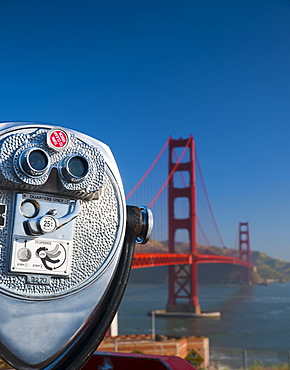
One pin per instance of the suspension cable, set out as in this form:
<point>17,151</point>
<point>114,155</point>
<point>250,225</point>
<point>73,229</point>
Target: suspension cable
<point>208,201</point>
<point>170,175</point>
<point>197,219</point>
<point>149,170</point>
<point>203,232</point>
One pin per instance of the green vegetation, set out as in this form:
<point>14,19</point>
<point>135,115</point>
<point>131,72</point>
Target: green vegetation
<point>266,273</point>
<point>138,352</point>
<point>260,366</point>
<point>271,268</point>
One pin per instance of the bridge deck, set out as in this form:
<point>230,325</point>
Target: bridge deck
<point>166,259</point>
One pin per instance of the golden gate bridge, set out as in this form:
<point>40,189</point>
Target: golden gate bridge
<point>178,218</point>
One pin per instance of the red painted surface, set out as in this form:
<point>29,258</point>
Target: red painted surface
<point>58,139</point>
<point>182,279</point>
<point>244,251</point>
<point>182,284</point>
<point>160,259</point>
<point>133,361</point>
<point>204,258</point>
<point>142,260</point>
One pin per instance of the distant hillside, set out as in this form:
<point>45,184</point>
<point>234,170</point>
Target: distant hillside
<point>266,269</point>
<point>271,268</point>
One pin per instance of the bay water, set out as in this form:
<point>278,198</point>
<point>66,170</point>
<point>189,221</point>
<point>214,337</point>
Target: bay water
<point>254,322</point>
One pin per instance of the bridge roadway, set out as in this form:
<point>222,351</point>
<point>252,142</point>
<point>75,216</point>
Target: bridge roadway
<point>142,260</point>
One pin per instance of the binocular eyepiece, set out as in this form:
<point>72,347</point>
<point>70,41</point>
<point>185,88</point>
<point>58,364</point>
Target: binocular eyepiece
<point>35,162</point>
<point>52,160</point>
<point>66,244</point>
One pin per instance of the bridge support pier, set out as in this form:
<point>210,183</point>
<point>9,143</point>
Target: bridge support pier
<point>185,277</point>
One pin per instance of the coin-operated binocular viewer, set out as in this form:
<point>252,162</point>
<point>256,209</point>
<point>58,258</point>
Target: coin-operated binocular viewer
<point>66,244</point>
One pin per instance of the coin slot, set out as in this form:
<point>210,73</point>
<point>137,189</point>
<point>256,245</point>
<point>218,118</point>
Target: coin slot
<point>29,208</point>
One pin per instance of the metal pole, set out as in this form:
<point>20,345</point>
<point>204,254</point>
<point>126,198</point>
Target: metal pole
<point>288,359</point>
<point>153,325</point>
<point>245,359</point>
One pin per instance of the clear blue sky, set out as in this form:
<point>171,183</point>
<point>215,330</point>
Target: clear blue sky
<point>131,73</point>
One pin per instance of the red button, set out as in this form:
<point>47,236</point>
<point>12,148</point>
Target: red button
<point>58,139</point>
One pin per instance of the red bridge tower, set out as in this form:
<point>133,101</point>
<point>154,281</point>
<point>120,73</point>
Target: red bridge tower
<point>245,252</point>
<point>182,295</point>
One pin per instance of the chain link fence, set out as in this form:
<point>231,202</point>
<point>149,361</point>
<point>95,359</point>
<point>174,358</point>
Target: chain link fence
<point>237,359</point>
